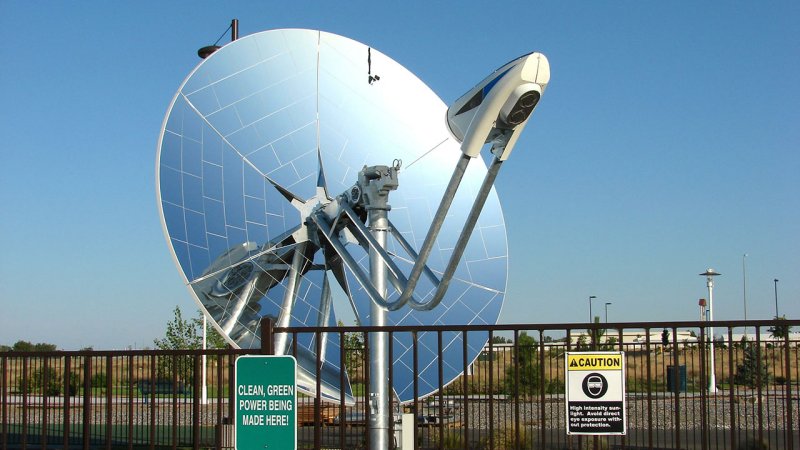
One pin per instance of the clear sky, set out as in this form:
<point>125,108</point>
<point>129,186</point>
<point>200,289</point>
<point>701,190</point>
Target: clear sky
<point>667,142</point>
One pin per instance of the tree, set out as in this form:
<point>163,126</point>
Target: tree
<point>528,367</point>
<point>596,334</point>
<point>780,330</point>
<point>751,368</point>
<point>213,338</point>
<point>44,347</point>
<point>25,346</point>
<point>500,340</point>
<point>611,343</point>
<point>581,344</point>
<point>22,346</point>
<point>353,353</point>
<point>182,334</point>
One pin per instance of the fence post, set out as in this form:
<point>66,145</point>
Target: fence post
<point>196,390</point>
<point>68,388</point>
<point>267,336</point>
<point>87,401</point>
<point>703,389</point>
<point>732,413</point>
<point>4,401</point>
<point>109,401</point>
<point>676,377</point>
<point>788,386</point>
<point>25,394</point>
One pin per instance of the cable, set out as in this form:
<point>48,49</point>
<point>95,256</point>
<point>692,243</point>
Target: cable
<point>224,33</point>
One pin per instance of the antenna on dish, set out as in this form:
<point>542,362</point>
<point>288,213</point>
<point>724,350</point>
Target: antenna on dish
<point>206,51</point>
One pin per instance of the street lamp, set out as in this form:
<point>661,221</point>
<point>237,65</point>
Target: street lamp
<point>744,289</point>
<point>607,303</point>
<point>776,297</point>
<point>710,274</point>
<point>591,297</point>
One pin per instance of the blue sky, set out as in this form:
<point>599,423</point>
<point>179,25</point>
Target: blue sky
<point>667,142</point>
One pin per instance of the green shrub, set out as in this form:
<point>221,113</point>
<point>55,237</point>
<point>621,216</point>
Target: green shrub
<point>99,380</point>
<point>752,369</point>
<point>588,443</point>
<point>505,438</point>
<point>451,439</point>
<point>555,387</point>
<point>74,384</point>
<point>46,381</point>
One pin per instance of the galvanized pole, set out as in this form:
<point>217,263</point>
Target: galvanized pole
<point>379,356</point>
<point>712,382</point>
<point>375,183</point>
<point>712,385</point>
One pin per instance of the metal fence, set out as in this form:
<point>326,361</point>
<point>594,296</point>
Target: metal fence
<point>512,395</point>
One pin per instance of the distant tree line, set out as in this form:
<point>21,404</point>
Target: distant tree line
<point>25,346</point>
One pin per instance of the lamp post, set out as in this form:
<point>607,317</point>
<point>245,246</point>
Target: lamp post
<point>744,289</point>
<point>591,297</point>
<point>776,297</point>
<point>607,303</point>
<point>710,274</point>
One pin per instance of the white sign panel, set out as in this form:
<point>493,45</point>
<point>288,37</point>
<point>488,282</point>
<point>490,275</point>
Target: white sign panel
<point>595,391</point>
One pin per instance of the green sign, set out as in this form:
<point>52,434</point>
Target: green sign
<point>266,402</point>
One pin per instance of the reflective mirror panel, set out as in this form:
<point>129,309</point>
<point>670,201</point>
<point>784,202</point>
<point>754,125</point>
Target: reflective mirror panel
<point>246,141</point>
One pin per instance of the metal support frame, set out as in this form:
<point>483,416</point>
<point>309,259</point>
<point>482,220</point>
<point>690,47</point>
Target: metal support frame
<point>496,116</point>
<point>289,298</point>
<point>375,183</point>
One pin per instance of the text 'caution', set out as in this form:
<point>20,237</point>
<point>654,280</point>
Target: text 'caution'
<point>595,362</point>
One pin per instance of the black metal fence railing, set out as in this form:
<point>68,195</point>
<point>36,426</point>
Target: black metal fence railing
<point>511,396</point>
<point>114,399</point>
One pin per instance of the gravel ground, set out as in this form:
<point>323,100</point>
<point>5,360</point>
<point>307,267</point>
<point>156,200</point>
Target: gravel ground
<point>546,433</point>
<point>745,412</point>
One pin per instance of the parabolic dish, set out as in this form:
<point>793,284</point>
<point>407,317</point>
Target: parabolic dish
<point>276,122</point>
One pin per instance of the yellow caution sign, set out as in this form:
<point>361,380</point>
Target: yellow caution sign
<point>594,361</point>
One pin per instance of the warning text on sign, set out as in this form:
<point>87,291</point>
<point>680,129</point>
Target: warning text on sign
<point>592,362</point>
<point>593,417</point>
<point>595,393</point>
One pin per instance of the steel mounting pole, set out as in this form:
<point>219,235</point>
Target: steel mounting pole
<point>376,183</point>
<point>378,349</point>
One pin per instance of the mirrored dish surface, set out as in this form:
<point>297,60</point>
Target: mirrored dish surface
<point>264,130</point>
